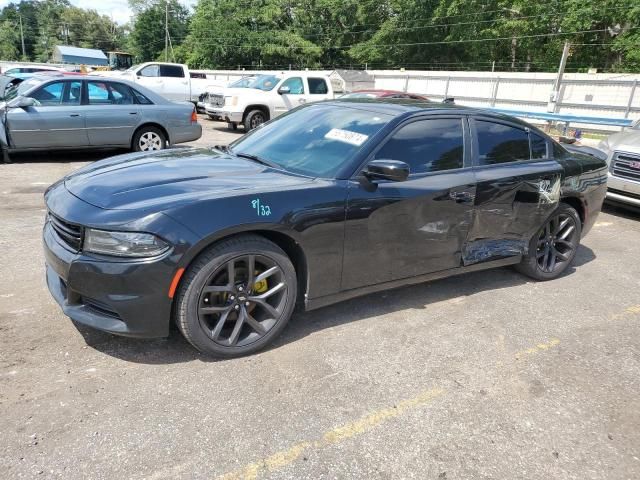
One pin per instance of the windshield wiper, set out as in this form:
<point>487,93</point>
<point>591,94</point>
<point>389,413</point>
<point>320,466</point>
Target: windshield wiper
<point>255,158</point>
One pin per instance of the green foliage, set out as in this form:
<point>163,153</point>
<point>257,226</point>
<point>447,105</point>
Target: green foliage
<point>519,35</point>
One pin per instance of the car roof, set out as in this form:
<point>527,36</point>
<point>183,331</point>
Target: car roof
<point>396,107</point>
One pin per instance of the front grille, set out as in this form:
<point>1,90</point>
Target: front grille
<point>626,165</point>
<point>67,232</point>
<point>216,100</point>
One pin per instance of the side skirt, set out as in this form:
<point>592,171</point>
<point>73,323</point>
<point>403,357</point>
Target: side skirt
<point>313,303</point>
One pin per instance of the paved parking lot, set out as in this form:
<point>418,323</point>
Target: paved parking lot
<point>486,376</point>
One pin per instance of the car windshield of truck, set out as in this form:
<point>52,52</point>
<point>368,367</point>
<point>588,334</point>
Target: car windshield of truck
<point>316,141</point>
<point>243,82</point>
<point>264,82</point>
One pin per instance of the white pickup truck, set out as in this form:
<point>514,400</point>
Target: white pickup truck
<point>268,96</point>
<point>173,81</point>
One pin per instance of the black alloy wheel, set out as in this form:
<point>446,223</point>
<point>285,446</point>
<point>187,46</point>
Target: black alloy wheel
<point>554,247</point>
<point>236,297</point>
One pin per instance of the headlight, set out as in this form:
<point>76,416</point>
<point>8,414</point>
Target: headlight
<point>123,244</point>
<point>232,101</point>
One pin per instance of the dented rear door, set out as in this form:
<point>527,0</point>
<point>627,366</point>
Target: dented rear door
<point>517,188</point>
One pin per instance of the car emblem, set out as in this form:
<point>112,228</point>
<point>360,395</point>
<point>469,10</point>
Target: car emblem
<point>635,165</point>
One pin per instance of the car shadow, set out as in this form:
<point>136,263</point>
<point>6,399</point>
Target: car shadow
<point>175,349</point>
<point>622,211</point>
<point>64,156</point>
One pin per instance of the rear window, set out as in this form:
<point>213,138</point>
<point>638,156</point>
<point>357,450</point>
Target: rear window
<point>318,86</point>
<point>499,143</point>
<point>316,141</point>
<point>171,71</point>
<point>140,98</point>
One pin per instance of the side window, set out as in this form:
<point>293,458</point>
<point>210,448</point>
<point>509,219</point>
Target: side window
<point>107,93</point>
<point>150,71</point>
<point>140,98</point>
<point>498,143</point>
<point>538,146</point>
<point>59,93</point>
<point>427,145</point>
<point>296,87</point>
<point>175,71</point>
<point>559,151</point>
<point>318,86</point>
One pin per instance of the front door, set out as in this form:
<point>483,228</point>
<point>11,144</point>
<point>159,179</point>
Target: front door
<point>518,187</point>
<point>111,114</point>
<point>287,101</point>
<point>397,230</point>
<point>57,122</point>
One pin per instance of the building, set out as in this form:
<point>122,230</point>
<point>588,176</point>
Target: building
<point>76,55</point>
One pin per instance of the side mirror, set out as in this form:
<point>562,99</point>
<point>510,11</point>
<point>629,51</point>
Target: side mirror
<point>284,90</point>
<point>22,102</point>
<point>393,170</point>
<point>449,100</point>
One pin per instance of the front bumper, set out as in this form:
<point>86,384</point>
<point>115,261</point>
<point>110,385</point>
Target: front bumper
<point>225,115</point>
<point>121,297</point>
<point>621,190</point>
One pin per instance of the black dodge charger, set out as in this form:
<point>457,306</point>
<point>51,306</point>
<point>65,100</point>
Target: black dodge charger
<point>327,202</point>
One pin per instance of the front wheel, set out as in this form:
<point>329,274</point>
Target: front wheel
<point>254,119</point>
<point>148,139</point>
<point>236,297</point>
<point>554,247</point>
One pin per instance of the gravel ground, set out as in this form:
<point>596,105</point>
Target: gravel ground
<point>485,376</point>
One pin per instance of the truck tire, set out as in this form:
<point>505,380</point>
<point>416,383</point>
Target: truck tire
<point>254,119</point>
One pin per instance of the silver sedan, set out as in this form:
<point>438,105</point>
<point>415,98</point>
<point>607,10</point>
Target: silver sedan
<point>83,112</point>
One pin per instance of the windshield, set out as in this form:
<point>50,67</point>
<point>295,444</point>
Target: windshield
<point>243,82</point>
<point>14,90</point>
<point>315,141</point>
<point>264,82</point>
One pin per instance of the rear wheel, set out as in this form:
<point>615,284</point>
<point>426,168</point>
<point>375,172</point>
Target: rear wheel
<point>148,139</point>
<point>254,119</point>
<point>236,297</point>
<point>554,247</point>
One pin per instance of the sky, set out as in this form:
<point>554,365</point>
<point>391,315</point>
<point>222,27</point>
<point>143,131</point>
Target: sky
<point>117,9</point>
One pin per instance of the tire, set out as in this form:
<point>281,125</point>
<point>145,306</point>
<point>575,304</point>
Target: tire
<point>554,246</point>
<point>224,318</point>
<point>254,119</point>
<point>148,139</point>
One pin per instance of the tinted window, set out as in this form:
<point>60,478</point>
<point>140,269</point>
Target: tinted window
<point>140,98</point>
<point>295,85</point>
<point>427,145</point>
<point>316,141</point>
<point>559,151</point>
<point>498,143</point>
<point>171,71</point>
<point>150,71</point>
<point>107,93</point>
<point>318,86</point>
<point>538,146</point>
<point>59,93</point>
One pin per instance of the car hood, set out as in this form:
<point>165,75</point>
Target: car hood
<point>161,180</point>
<point>628,141</point>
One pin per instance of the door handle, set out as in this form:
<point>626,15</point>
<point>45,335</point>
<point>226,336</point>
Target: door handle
<point>133,113</point>
<point>462,197</point>
<point>302,100</point>
<point>74,115</point>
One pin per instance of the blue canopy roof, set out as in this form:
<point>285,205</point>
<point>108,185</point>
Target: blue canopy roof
<point>81,52</point>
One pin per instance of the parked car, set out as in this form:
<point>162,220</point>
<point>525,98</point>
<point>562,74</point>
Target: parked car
<point>25,72</point>
<point>622,150</point>
<point>267,97</point>
<point>383,94</point>
<point>205,100</point>
<point>377,93</point>
<point>327,202</point>
<point>82,112</point>
<point>173,81</point>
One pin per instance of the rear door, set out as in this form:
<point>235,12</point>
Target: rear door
<point>175,82</point>
<point>111,113</point>
<point>318,89</point>
<point>517,188</point>
<point>403,229</point>
<point>57,122</point>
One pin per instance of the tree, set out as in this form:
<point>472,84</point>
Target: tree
<point>148,34</point>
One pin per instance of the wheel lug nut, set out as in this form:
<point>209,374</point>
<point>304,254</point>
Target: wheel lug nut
<point>237,307</point>
<point>232,297</point>
<point>240,288</point>
<point>246,304</point>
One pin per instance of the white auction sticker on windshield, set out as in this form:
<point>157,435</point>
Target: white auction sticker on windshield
<point>347,136</point>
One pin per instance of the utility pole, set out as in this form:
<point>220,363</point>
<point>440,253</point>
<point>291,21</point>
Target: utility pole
<point>166,31</point>
<point>24,52</point>
<point>552,106</point>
